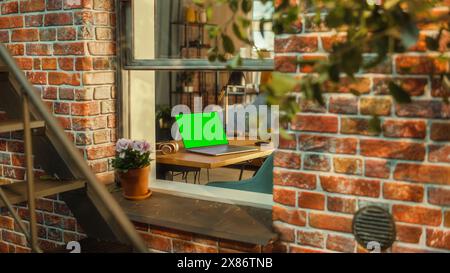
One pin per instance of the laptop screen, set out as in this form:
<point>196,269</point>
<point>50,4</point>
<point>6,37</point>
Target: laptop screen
<point>201,130</point>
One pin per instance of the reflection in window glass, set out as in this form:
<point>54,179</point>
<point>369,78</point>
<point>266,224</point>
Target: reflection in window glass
<point>181,30</point>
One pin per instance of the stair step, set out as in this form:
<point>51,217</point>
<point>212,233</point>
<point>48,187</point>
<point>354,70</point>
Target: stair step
<point>17,125</point>
<point>17,192</point>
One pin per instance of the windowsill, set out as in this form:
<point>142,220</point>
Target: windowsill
<point>228,196</point>
<point>214,212</point>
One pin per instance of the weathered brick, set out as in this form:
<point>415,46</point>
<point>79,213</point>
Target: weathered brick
<point>392,149</point>
<point>60,78</point>
<point>32,5</point>
<point>83,63</point>
<point>357,126</point>
<point>424,109</point>
<point>67,34</point>
<point>317,162</point>
<point>339,204</point>
<point>325,144</point>
<point>34,20</point>
<point>340,243</point>
<point>156,242</point>
<point>97,78</point>
<point>330,222</point>
<point>75,48</point>
<point>432,174</point>
<point>25,35</point>
<point>295,179</point>
<point>343,105</point>
<point>47,34</point>
<point>191,247</point>
<point>49,64</point>
<point>37,77</point>
<point>104,5</point>
<point>404,128</point>
<point>408,234</point>
<point>58,19</point>
<point>438,238</point>
<point>440,131</point>
<point>102,48</point>
<point>85,109</point>
<point>379,106</point>
<point>66,64</point>
<point>417,215</point>
<point>311,238</point>
<point>288,160</point>
<point>39,49</point>
<point>439,196</point>
<point>403,191</point>
<point>347,165</point>
<point>284,196</point>
<point>9,22</point>
<point>296,44</point>
<point>420,65</point>
<point>377,168</point>
<point>10,7</point>
<point>353,186</point>
<point>54,4</point>
<point>291,216</point>
<point>439,153</point>
<point>311,200</point>
<point>361,85</point>
<point>324,124</point>
<point>98,152</point>
<point>287,64</point>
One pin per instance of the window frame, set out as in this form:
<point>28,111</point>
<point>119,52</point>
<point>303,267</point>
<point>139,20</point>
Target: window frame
<point>129,62</point>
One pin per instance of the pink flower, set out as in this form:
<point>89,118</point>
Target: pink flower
<point>141,146</point>
<point>123,145</point>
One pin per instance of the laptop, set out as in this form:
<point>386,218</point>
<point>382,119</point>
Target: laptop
<point>203,133</point>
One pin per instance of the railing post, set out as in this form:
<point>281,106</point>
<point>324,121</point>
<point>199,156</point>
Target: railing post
<point>30,175</point>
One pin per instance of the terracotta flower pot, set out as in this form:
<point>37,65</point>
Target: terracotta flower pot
<point>135,183</point>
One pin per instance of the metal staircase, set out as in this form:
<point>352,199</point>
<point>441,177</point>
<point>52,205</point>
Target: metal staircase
<point>95,209</point>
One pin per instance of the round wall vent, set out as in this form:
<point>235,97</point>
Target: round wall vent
<point>374,227</point>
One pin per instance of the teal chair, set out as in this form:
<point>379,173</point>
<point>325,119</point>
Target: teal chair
<point>262,182</point>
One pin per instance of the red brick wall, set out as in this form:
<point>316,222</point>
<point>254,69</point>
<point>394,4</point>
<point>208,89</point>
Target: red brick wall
<point>160,239</point>
<point>333,164</point>
<point>67,50</point>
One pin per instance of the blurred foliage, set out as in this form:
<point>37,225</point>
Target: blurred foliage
<point>374,30</point>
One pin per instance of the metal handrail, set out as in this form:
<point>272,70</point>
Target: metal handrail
<point>123,223</point>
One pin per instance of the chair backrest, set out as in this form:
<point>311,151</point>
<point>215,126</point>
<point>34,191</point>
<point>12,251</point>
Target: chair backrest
<point>264,176</point>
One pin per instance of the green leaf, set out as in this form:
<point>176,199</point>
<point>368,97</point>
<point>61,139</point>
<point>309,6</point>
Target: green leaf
<point>247,5</point>
<point>228,44</point>
<point>398,93</point>
<point>432,44</point>
<point>375,125</point>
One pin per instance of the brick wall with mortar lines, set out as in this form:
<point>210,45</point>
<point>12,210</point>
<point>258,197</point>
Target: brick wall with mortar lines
<point>334,164</point>
<point>71,62</point>
<point>67,50</point>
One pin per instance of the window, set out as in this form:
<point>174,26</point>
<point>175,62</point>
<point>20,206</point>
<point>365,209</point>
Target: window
<point>164,61</point>
<point>181,45</point>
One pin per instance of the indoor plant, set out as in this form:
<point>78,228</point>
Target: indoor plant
<point>132,164</point>
<point>164,116</point>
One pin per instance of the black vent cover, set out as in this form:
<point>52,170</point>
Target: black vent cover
<point>374,224</point>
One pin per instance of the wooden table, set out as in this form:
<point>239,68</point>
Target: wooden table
<point>188,159</point>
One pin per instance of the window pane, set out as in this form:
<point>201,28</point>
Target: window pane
<point>181,30</point>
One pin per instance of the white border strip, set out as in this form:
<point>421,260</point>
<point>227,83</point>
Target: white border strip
<point>215,194</point>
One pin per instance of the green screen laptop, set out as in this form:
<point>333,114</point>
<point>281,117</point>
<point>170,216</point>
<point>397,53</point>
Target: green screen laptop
<point>203,133</point>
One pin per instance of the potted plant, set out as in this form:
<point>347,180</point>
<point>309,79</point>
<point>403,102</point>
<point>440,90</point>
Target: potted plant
<point>132,165</point>
<point>164,116</point>
<point>187,79</point>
